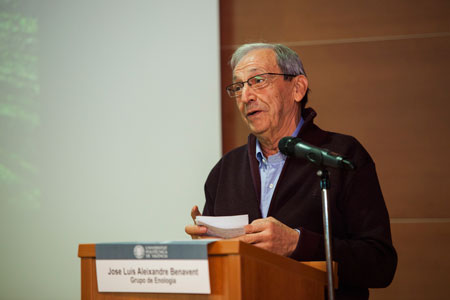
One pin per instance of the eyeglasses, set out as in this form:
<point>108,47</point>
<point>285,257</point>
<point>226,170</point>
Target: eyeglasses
<point>257,82</point>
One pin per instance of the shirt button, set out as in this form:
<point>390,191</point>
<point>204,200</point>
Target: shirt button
<point>271,185</point>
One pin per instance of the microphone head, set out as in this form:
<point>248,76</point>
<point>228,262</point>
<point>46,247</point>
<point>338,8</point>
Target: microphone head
<point>295,147</point>
<point>286,146</point>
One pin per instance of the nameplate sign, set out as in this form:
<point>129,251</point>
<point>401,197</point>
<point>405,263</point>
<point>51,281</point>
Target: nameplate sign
<point>156,267</point>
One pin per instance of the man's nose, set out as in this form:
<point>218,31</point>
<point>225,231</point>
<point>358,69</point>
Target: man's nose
<point>247,94</point>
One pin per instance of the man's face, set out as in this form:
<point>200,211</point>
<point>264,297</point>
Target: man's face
<point>270,111</point>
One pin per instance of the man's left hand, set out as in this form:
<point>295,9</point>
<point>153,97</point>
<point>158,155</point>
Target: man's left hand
<point>272,235</point>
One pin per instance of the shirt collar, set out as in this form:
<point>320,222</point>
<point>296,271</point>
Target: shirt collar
<point>297,130</point>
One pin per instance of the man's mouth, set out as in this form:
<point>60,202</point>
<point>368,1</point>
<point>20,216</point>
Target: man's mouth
<point>253,113</point>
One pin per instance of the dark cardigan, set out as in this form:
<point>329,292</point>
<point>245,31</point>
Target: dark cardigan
<point>361,240</point>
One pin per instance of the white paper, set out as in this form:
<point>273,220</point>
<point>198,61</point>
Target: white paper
<point>224,227</point>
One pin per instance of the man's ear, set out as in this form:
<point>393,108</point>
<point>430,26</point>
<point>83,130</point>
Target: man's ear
<point>300,87</point>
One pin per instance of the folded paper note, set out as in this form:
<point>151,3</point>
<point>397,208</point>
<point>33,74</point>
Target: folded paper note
<point>223,227</point>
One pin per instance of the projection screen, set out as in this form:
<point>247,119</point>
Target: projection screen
<point>110,123</point>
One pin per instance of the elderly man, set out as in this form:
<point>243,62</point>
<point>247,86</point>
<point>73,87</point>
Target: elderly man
<point>281,195</point>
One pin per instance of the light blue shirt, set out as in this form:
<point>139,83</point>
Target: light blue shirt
<point>270,170</point>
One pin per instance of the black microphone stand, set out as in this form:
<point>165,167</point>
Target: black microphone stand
<point>296,147</point>
<point>324,186</point>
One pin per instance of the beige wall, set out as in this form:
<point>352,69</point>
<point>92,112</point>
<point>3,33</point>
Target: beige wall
<point>378,70</point>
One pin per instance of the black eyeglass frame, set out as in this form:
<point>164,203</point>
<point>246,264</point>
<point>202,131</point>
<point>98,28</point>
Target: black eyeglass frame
<point>241,83</point>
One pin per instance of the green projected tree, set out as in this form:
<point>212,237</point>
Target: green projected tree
<point>19,88</point>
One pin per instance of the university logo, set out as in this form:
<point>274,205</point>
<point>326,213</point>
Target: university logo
<point>139,251</point>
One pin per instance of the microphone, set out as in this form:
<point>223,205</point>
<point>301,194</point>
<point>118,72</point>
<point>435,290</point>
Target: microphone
<point>292,146</point>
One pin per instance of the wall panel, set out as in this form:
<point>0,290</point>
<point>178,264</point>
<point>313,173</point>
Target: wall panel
<point>393,96</point>
<point>378,70</point>
<point>294,21</point>
<point>423,263</point>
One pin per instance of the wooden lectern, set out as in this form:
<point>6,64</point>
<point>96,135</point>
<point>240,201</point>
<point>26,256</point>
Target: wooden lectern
<point>238,271</point>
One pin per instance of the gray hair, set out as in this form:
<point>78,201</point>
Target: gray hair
<point>287,60</point>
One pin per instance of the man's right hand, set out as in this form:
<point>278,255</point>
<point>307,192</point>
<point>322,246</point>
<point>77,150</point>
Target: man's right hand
<point>196,231</point>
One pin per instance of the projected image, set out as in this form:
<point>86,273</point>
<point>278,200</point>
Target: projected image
<point>19,119</point>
